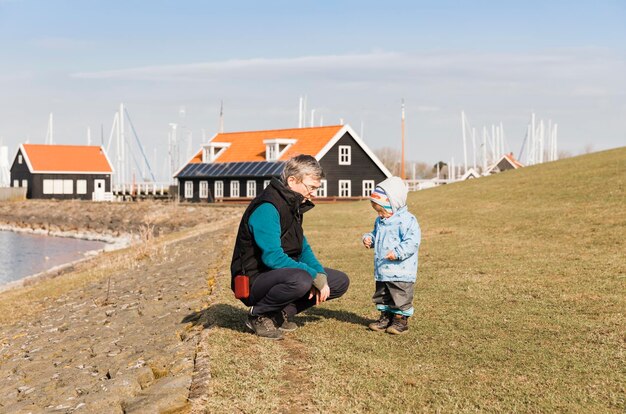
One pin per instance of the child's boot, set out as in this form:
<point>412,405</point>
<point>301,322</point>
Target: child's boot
<point>382,323</point>
<point>399,325</point>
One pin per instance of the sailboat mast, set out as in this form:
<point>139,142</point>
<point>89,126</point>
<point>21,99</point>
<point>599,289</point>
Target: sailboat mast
<point>402,161</point>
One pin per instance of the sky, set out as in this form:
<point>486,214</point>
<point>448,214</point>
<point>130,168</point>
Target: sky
<point>355,61</point>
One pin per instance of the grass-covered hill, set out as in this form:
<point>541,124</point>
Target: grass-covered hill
<point>520,306</point>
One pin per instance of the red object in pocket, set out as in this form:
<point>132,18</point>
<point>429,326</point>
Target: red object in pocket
<point>242,287</point>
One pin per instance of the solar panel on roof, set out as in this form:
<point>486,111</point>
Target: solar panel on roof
<point>256,168</point>
<point>232,169</point>
<point>247,168</point>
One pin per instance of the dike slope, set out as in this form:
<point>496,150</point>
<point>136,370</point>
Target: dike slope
<point>110,334</point>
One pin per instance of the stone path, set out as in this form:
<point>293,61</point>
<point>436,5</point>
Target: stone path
<point>118,346</point>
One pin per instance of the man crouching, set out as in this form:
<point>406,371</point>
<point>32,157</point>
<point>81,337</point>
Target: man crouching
<point>274,270</point>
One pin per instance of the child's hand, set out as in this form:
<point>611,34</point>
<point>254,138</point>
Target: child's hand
<point>391,255</point>
<point>367,242</point>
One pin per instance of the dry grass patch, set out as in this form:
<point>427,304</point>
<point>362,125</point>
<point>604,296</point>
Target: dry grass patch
<point>519,306</point>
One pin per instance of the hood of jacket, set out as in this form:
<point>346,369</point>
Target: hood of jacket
<point>396,190</point>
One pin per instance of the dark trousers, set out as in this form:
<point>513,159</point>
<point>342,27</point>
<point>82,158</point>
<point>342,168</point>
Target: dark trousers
<point>394,297</point>
<point>289,289</point>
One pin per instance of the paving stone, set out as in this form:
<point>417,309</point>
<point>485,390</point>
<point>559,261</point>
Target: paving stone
<point>81,353</point>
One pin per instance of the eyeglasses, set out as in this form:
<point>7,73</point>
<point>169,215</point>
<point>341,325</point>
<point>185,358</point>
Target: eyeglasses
<point>311,189</point>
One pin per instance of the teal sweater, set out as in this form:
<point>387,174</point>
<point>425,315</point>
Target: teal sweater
<point>264,224</point>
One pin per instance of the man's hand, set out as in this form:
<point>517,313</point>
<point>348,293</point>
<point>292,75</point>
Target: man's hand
<point>391,255</point>
<point>367,242</point>
<point>320,295</point>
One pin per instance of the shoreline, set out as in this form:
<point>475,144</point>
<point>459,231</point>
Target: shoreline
<point>112,243</point>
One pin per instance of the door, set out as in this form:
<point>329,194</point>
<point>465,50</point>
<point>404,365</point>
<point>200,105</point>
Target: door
<point>98,189</point>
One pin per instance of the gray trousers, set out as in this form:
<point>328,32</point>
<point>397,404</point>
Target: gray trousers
<point>394,297</point>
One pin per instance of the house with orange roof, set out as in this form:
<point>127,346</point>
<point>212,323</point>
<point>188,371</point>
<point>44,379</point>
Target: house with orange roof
<point>506,162</point>
<point>238,165</point>
<point>62,171</point>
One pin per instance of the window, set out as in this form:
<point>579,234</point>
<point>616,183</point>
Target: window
<point>276,147</point>
<point>234,188</point>
<point>81,186</point>
<point>266,183</point>
<point>219,189</point>
<point>251,188</point>
<point>213,150</point>
<point>271,153</point>
<point>48,187</point>
<point>25,183</point>
<point>204,189</point>
<point>68,186</point>
<point>344,188</point>
<point>344,155</point>
<point>19,159</point>
<point>321,192</point>
<point>57,187</point>
<point>368,187</point>
<point>188,189</point>
<point>16,183</point>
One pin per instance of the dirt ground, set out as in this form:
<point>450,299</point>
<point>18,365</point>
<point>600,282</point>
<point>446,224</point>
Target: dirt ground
<point>108,218</point>
<point>116,333</point>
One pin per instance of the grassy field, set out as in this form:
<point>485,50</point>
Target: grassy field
<point>520,306</point>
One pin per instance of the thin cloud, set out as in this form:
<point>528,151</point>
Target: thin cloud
<point>510,71</point>
<point>254,68</point>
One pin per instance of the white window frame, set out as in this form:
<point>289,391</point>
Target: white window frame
<point>19,159</point>
<point>266,183</point>
<point>251,188</point>
<point>323,190</point>
<point>346,191</point>
<point>276,147</point>
<point>48,186</point>
<point>16,183</point>
<point>81,186</point>
<point>188,189</point>
<point>218,186</point>
<point>367,188</point>
<point>234,188</point>
<point>204,189</point>
<point>57,186</point>
<point>345,155</point>
<point>68,186</point>
<point>25,183</point>
<point>213,150</point>
<point>271,152</point>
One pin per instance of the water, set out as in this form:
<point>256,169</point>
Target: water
<point>24,254</point>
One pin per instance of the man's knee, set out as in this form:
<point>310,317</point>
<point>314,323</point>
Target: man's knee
<point>338,282</point>
<point>301,281</point>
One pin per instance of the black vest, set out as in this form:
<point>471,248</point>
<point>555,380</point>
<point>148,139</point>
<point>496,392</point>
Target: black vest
<point>247,255</point>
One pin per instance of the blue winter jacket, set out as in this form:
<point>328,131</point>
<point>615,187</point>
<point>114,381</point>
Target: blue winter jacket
<point>400,233</point>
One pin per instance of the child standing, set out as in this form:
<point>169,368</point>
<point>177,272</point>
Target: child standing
<point>395,239</point>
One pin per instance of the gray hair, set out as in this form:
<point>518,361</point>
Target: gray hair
<point>302,165</point>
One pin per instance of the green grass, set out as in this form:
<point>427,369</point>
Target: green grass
<point>520,306</point>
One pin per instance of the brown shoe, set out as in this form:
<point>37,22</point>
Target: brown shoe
<point>263,326</point>
<point>399,325</point>
<point>382,323</point>
<point>283,323</point>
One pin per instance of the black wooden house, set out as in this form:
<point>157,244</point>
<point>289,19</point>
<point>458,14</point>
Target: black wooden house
<point>62,171</point>
<point>239,165</point>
